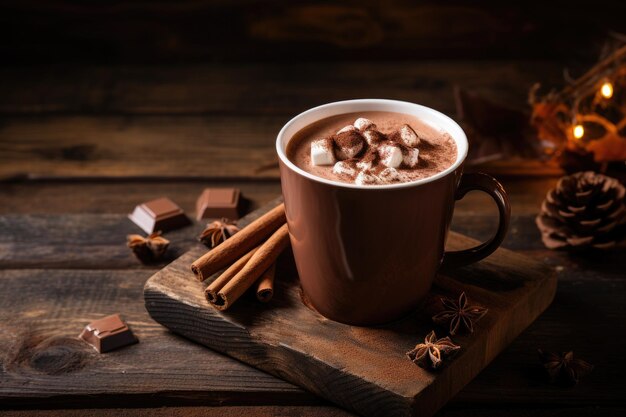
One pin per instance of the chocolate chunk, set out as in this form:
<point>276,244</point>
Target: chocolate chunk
<point>219,202</point>
<point>161,214</point>
<point>108,333</point>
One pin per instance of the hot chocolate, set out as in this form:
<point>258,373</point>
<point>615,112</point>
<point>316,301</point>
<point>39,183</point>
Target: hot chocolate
<point>372,148</point>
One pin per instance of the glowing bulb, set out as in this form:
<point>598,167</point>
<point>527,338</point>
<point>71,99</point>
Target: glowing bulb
<point>606,90</point>
<point>578,131</point>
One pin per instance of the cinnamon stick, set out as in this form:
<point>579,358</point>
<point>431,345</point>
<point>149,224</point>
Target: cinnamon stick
<point>239,244</point>
<point>265,287</point>
<point>262,259</point>
<point>211,291</point>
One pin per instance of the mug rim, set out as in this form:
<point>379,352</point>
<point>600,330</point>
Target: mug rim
<point>426,113</point>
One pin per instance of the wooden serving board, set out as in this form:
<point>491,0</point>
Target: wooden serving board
<point>362,369</point>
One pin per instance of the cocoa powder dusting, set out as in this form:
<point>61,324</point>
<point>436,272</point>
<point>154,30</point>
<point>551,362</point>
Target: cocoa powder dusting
<point>328,142</point>
<point>434,155</point>
<point>376,136</point>
<point>368,349</point>
<point>350,163</point>
<point>348,139</point>
<point>395,138</point>
<point>437,149</point>
<point>374,354</point>
<point>370,156</point>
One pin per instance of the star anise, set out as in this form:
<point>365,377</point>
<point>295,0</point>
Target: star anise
<point>564,367</point>
<point>217,232</point>
<point>148,249</point>
<point>459,314</point>
<point>432,351</point>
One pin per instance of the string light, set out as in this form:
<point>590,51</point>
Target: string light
<point>606,90</point>
<point>587,116</point>
<point>578,131</point>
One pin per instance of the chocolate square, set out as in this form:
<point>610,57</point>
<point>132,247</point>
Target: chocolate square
<point>219,202</point>
<point>160,214</point>
<point>108,333</point>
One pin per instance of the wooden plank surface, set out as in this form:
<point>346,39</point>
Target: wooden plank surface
<point>102,123</point>
<point>303,411</point>
<point>587,307</point>
<point>98,241</point>
<point>120,196</point>
<point>84,241</point>
<point>139,147</point>
<point>223,411</point>
<point>362,369</point>
<point>43,362</point>
<point>243,89</point>
<point>120,147</point>
<point>513,377</point>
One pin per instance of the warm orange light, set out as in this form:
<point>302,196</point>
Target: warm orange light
<point>578,131</point>
<point>606,90</point>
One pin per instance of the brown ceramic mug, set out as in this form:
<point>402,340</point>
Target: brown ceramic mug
<point>368,254</point>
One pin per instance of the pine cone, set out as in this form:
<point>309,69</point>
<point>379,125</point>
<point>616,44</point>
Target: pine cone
<point>584,210</point>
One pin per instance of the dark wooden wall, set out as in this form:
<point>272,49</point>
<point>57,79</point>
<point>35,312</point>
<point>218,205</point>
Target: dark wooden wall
<point>186,31</point>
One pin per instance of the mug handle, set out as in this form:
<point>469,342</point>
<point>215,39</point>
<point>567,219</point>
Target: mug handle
<point>482,182</point>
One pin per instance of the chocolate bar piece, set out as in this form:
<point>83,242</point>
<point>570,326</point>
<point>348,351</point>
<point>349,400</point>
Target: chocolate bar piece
<point>218,202</point>
<point>108,333</point>
<point>161,214</point>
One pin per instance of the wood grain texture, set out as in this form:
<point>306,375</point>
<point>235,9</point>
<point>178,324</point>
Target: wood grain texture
<point>283,89</point>
<point>98,241</point>
<point>100,123</point>
<point>111,196</point>
<point>307,411</point>
<point>80,241</point>
<point>514,377</point>
<point>145,147</point>
<point>587,307</point>
<point>362,369</point>
<point>43,362</point>
<point>222,411</point>
<point>41,102</point>
<point>153,148</point>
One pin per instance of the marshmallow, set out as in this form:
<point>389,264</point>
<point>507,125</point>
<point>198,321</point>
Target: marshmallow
<point>348,128</point>
<point>363,124</point>
<point>344,168</point>
<point>365,179</point>
<point>373,137</point>
<point>408,136</point>
<point>410,157</point>
<point>390,155</point>
<point>348,144</point>
<point>364,165</point>
<point>322,152</point>
<point>389,175</point>
<point>367,161</point>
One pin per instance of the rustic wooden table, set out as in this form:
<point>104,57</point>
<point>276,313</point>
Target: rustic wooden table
<point>80,147</point>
